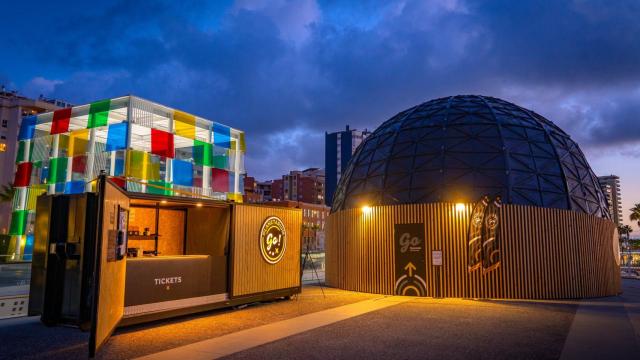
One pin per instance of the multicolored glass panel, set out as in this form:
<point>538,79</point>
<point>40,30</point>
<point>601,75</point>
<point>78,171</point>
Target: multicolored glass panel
<point>145,147</point>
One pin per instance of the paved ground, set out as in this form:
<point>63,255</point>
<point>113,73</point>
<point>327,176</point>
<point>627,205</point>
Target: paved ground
<point>434,329</point>
<point>417,328</point>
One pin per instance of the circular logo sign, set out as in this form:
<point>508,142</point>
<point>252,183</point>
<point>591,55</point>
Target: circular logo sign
<point>273,240</point>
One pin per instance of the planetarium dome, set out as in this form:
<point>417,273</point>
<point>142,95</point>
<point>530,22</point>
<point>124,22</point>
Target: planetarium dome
<point>459,148</point>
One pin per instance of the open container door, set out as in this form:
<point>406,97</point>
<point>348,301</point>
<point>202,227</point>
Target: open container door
<point>110,270</point>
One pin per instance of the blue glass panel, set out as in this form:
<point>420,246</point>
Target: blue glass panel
<point>182,173</point>
<point>232,182</point>
<point>28,128</point>
<point>74,187</point>
<point>44,175</point>
<point>222,135</point>
<point>28,248</point>
<point>117,137</point>
<point>119,170</point>
<point>60,187</point>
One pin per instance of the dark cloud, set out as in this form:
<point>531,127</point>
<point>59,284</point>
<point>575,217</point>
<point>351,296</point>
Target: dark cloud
<point>287,71</point>
<point>616,122</point>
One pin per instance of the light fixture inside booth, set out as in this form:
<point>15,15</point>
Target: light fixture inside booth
<point>460,207</point>
<point>366,209</point>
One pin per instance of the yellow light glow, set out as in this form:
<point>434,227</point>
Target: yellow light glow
<point>366,209</point>
<point>163,201</point>
<point>460,207</point>
<point>199,204</point>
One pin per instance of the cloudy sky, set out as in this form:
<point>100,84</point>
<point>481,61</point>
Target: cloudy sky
<point>287,71</point>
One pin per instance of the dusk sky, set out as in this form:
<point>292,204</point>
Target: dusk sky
<point>287,71</point>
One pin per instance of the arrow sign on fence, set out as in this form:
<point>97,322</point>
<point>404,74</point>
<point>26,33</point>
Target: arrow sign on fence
<point>410,268</point>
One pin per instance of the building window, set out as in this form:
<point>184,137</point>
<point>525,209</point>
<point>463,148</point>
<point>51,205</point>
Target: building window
<point>5,123</point>
<point>3,147</point>
<point>3,137</point>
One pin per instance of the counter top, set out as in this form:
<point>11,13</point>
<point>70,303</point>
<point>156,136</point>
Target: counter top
<point>153,279</point>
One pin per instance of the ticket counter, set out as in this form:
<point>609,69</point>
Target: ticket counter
<point>140,257</point>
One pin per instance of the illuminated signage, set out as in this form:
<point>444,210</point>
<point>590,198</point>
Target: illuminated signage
<point>273,240</point>
<point>410,259</point>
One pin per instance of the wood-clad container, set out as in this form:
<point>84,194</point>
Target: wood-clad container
<point>546,253</point>
<point>251,273</point>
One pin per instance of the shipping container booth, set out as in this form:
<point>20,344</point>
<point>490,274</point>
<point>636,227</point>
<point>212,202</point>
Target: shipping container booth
<point>111,258</point>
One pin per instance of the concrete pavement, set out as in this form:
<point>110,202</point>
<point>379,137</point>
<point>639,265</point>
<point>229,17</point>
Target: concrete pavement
<point>350,325</point>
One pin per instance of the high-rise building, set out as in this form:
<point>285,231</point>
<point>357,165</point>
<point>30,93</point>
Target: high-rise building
<point>13,107</point>
<point>338,148</point>
<point>303,186</point>
<point>611,187</point>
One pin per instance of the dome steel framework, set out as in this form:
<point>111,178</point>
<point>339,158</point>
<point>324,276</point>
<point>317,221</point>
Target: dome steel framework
<point>459,148</point>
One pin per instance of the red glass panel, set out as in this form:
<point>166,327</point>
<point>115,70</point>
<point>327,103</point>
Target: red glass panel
<point>219,180</point>
<point>61,120</point>
<point>162,143</point>
<point>79,164</point>
<point>23,174</point>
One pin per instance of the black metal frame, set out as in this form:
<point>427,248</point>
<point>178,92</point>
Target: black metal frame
<point>459,148</point>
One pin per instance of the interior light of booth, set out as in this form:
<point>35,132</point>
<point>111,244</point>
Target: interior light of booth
<point>163,201</point>
<point>366,209</point>
<point>460,207</point>
<point>199,204</point>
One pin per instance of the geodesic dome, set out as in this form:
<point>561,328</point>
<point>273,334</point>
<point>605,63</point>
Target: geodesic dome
<point>459,148</point>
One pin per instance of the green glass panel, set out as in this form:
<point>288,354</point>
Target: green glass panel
<point>220,161</point>
<point>202,153</point>
<point>99,113</point>
<point>21,148</point>
<point>18,222</point>
<point>57,170</point>
<point>159,188</point>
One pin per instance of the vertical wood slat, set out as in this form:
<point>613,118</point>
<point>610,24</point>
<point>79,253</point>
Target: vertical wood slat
<point>546,253</point>
<point>251,273</point>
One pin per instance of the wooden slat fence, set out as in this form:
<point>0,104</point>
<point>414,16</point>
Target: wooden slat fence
<point>546,253</point>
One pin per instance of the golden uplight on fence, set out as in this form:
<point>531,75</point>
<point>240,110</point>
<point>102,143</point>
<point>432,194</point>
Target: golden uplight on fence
<point>366,209</point>
<point>460,207</point>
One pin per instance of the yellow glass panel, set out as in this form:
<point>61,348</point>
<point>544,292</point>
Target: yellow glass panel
<point>33,193</point>
<point>63,142</point>
<point>235,197</point>
<point>78,141</point>
<point>153,171</point>
<point>184,124</point>
<point>136,164</point>
<point>243,144</point>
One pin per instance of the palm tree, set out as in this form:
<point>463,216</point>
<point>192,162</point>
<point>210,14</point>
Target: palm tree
<point>625,229</point>
<point>6,193</point>
<point>635,213</point>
